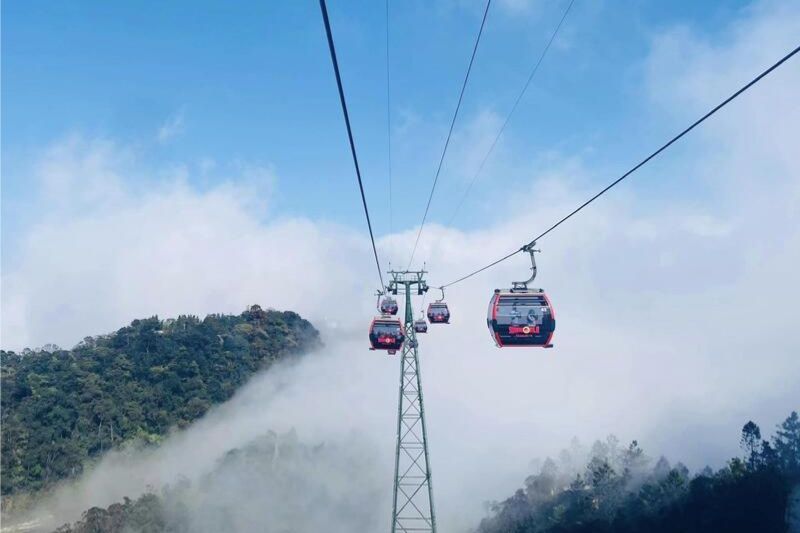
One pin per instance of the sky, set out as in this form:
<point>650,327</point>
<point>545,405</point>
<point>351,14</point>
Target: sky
<point>217,87</point>
<point>193,159</point>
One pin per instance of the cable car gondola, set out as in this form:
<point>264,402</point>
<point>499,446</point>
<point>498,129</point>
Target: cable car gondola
<point>388,306</point>
<point>438,312</point>
<point>520,316</point>
<point>386,333</point>
<point>421,326</point>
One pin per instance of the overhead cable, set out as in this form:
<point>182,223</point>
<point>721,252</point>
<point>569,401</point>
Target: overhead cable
<point>635,168</point>
<point>332,48</point>
<point>450,132</point>
<point>389,117</point>
<point>511,112</point>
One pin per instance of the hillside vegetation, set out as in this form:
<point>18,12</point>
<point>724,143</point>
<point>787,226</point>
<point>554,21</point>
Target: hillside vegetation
<point>280,484</point>
<point>274,483</point>
<point>620,490</point>
<point>61,408</point>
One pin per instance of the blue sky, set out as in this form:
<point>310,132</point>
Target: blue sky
<point>252,83</point>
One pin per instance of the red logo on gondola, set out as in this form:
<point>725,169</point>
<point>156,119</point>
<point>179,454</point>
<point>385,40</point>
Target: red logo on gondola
<point>523,330</point>
<point>386,340</point>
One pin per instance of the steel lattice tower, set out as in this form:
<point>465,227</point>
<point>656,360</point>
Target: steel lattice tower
<point>412,508</point>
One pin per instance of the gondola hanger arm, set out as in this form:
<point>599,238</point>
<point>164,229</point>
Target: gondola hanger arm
<point>531,250</point>
<point>442,298</point>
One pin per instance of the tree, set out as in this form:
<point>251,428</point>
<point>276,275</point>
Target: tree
<point>633,460</point>
<point>787,445</point>
<point>662,468</point>
<point>751,442</point>
<point>541,487</point>
<point>746,495</point>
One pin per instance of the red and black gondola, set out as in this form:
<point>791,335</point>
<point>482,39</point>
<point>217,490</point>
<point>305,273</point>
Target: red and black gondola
<point>388,306</point>
<point>386,333</point>
<point>521,317</point>
<point>421,326</point>
<point>438,313</point>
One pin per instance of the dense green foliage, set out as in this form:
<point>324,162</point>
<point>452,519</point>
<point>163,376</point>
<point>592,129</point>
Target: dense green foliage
<point>144,515</point>
<point>618,491</point>
<point>62,407</point>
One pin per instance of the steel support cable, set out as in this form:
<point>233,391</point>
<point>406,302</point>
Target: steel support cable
<point>450,132</point>
<point>389,118</point>
<point>511,112</point>
<point>635,168</point>
<point>332,48</point>
<point>507,119</point>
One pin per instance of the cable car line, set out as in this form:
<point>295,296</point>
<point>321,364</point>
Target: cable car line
<point>389,117</point>
<point>511,112</point>
<point>450,132</point>
<point>507,120</point>
<point>332,48</point>
<point>635,168</point>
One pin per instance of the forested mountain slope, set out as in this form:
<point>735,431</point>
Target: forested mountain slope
<point>60,408</point>
<point>620,490</point>
<point>277,483</point>
<point>273,483</point>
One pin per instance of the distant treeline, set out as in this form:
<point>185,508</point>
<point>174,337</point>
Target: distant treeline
<point>61,408</point>
<point>620,491</point>
<point>279,484</point>
<point>274,483</point>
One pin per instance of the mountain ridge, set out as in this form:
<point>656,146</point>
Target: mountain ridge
<point>61,409</point>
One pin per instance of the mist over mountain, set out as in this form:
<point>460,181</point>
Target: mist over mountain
<point>173,419</point>
<point>616,488</point>
<point>609,487</point>
<point>274,483</point>
<point>62,408</point>
<point>224,468</point>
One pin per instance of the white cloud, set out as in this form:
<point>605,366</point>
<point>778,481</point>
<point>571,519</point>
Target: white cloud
<point>675,320</point>
<point>471,143</point>
<point>77,174</point>
<point>706,226</point>
<point>171,128</point>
